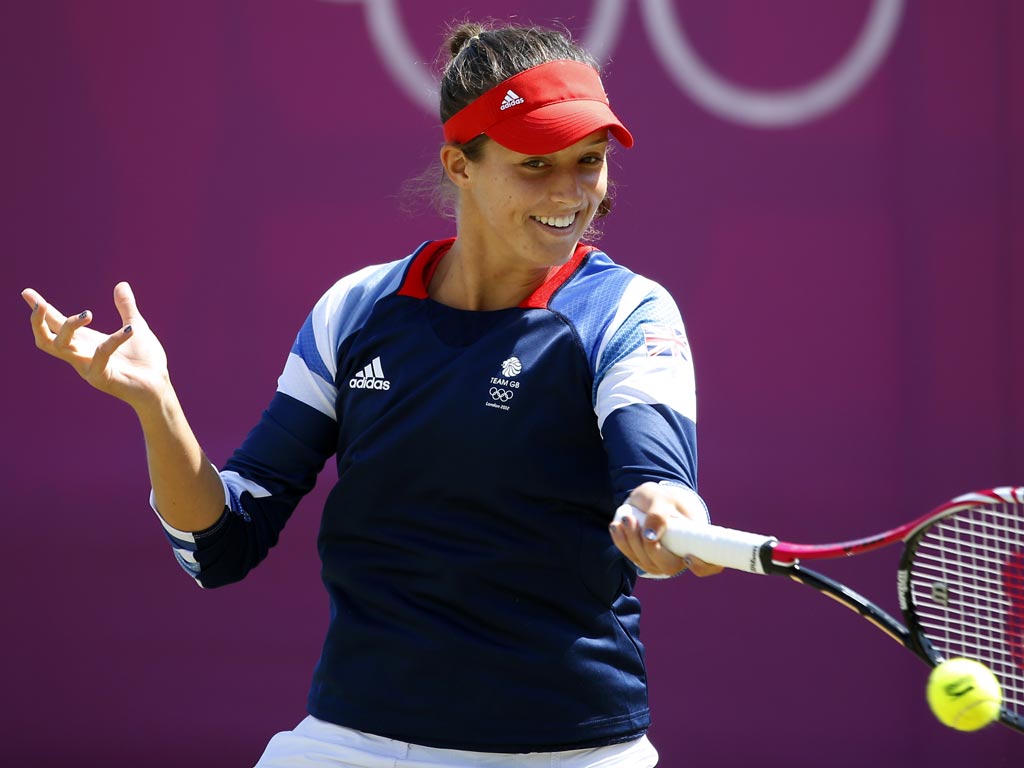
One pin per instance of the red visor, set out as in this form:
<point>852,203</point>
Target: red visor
<point>541,110</point>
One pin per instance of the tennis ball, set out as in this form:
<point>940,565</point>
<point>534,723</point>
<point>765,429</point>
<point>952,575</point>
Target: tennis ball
<point>964,694</point>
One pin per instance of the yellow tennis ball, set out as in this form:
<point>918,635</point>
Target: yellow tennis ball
<point>964,694</point>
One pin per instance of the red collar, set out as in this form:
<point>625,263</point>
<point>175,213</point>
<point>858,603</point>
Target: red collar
<point>424,264</point>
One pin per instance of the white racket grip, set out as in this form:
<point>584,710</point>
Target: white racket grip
<point>713,544</point>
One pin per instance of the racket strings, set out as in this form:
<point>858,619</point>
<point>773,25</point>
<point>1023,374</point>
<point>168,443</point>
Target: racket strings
<point>967,588</point>
<point>984,577</point>
<point>967,584</point>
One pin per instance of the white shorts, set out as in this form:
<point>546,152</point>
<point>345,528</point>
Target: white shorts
<point>317,744</point>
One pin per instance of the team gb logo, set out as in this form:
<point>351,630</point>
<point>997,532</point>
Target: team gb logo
<point>511,367</point>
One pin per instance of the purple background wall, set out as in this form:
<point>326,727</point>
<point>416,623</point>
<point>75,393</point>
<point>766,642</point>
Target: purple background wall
<point>847,282</point>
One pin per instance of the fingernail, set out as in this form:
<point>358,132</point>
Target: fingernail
<point>84,315</point>
<point>127,329</point>
<point>650,534</point>
<point>35,307</point>
<point>689,561</point>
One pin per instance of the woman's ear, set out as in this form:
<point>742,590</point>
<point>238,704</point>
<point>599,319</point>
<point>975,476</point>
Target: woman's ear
<point>455,165</point>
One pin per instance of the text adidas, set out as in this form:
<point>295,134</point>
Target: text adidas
<point>512,99</point>
<point>383,384</point>
<point>371,377</point>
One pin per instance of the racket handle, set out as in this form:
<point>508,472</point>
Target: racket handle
<point>711,543</point>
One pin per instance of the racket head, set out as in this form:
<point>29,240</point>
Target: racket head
<point>961,588</point>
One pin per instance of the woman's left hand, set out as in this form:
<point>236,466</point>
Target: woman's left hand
<point>641,544</point>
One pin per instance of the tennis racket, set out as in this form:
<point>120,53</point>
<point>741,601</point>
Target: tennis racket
<point>960,579</point>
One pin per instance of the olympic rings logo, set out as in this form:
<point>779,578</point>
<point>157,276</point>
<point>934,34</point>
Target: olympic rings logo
<point>501,395</point>
<point>728,101</point>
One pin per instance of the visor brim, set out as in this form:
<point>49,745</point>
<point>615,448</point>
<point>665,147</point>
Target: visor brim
<point>554,127</point>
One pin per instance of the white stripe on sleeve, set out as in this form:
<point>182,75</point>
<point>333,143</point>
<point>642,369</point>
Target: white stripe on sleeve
<point>641,379</point>
<point>305,386</point>
<point>235,482</point>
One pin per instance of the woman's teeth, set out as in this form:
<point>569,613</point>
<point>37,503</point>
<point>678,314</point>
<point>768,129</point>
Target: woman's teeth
<point>560,222</point>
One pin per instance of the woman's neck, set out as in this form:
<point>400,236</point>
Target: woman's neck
<point>469,277</point>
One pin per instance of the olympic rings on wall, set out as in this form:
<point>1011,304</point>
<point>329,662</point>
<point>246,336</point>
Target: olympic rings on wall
<point>746,106</point>
<point>770,109</point>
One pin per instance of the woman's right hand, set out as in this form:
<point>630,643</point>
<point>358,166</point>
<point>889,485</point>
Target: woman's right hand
<point>129,364</point>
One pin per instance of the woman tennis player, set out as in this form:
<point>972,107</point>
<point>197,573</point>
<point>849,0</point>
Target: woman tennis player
<point>489,400</point>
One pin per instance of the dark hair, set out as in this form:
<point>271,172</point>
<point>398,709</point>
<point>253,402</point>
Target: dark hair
<point>480,57</point>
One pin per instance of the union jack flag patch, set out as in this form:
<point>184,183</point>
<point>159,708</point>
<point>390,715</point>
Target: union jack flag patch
<point>665,341</point>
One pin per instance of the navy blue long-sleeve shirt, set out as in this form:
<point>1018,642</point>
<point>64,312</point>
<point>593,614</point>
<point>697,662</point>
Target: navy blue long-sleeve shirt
<point>477,601</point>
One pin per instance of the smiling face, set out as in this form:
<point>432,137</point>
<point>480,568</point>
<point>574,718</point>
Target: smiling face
<point>530,210</point>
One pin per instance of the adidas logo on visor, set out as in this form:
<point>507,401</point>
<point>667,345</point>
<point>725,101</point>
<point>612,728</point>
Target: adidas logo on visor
<point>511,99</point>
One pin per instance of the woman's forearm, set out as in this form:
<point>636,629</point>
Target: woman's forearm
<point>187,490</point>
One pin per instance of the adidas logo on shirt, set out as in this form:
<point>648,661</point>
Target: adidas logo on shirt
<point>371,377</point>
<point>511,99</point>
